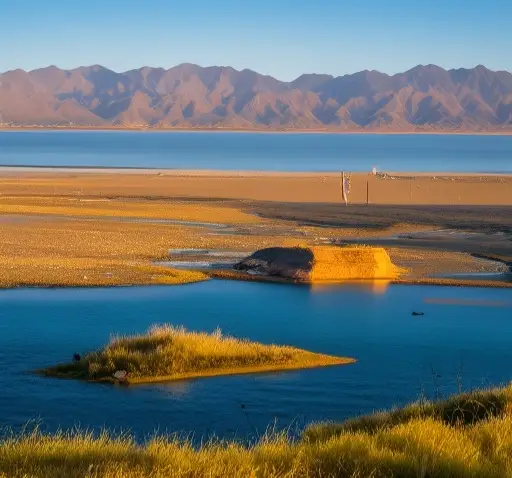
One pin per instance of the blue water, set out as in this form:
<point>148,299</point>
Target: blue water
<point>397,353</point>
<point>247,151</point>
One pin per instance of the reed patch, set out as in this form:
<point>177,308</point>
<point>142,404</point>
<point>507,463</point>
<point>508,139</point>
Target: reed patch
<point>426,439</point>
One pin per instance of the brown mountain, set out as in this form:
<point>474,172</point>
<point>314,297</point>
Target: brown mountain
<point>426,97</point>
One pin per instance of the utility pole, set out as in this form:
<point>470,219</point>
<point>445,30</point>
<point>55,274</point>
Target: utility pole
<point>344,188</point>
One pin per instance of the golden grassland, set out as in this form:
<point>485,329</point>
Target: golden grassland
<point>143,209</point>
<point>65,272</point>
<point>79,251</point>
<point>103,239</point>
<point>168,353</point>
<point>92,253</point>
<point>72,253</point>
<point>77,241</point>
<point>467,435</point>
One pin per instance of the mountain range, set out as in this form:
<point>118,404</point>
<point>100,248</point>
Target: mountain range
<point>191,96</point>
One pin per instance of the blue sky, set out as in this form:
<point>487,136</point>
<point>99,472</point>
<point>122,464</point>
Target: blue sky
<point>282,38</point>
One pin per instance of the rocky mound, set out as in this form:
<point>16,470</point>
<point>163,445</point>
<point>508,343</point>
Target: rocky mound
<point>321,263</point>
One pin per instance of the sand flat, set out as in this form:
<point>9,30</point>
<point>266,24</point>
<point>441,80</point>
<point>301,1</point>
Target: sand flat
<point>399,189</point>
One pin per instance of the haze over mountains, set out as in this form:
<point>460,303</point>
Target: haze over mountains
<point>425,97</point>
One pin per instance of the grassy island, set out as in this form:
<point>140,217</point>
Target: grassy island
<point>467,435</point>
<point>168,353</point>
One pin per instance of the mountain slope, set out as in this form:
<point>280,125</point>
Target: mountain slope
<point>189,95</point>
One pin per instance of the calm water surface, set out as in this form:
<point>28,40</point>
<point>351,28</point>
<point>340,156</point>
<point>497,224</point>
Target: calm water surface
<point>248,151</point>
<point>397,352</point>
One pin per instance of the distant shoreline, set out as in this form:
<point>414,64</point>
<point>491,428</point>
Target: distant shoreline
<point>231,173</point>
<point>142,129</point>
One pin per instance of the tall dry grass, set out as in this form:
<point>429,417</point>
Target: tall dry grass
<point>408,444</point>
<point>169,353</point>
<point>461,409</point>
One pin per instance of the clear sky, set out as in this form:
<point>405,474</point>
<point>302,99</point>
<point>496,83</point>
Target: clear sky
<point>283,38</point>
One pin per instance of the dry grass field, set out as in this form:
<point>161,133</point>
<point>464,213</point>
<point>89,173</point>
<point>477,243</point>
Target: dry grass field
<point>76,250</point>
<point>57,242</point>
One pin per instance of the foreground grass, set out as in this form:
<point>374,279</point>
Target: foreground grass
<point>169,353</point>
<point>466,436</point>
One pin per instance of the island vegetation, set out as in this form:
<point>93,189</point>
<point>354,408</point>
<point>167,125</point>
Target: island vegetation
<point>167,353</point>
<point>469,435</point>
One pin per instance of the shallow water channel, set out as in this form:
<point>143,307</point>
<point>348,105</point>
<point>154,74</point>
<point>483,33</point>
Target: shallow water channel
<point>463,339</point>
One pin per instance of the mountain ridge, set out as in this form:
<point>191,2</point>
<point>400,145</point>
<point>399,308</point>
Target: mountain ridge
<point>426,97</point>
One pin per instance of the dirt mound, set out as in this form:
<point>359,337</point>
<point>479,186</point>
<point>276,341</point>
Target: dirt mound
<point>321,263</point>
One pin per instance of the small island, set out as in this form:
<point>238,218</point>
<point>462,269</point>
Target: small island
<point>167,353</point>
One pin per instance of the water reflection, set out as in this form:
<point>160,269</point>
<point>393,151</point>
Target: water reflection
<point>378,287</point>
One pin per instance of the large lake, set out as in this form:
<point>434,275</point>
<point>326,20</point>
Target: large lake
<point>463,338</point>
<point>257,151</point>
